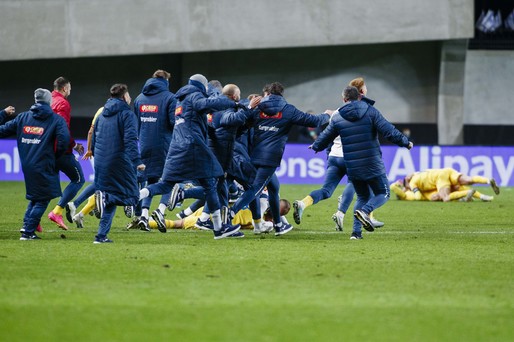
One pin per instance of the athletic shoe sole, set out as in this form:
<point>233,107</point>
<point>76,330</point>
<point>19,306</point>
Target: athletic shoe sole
<point>172,203</point>
<point>364,219</point>
<point>297,214</point>
<point>495,187</point>
<point>339,227</point>
<point>161,223</point>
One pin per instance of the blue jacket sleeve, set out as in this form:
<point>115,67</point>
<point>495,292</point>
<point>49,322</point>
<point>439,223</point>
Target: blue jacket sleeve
<point>235,119</point>
<point>201,104</point>
<point>62,136</point>
<point>389,131</point>
<point>3,117</point>
<point>130,137</point>
<point>309,120</point>
<point>9,128</point>
<point>325,138</point>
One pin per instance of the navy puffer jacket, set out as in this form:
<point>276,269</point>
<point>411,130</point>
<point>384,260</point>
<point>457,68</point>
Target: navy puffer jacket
<point>272,123</point>
<point>189,156</point>
<point>116,152</point>
<point>358,125</point>
<point>155,109</point>
<point>43,137</point>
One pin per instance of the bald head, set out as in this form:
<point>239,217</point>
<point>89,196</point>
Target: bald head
<point>232,91</point>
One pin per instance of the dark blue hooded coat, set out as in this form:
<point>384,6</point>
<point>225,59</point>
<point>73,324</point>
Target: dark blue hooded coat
<point>189,156</point>
<point>42,137</point>
<point>358,125</point>
<point>116,152</point>
<point>272,123</point>
<point>155,109</point>
<point>224,126</point>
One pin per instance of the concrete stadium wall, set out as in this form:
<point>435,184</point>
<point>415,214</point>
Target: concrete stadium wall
<point>489,88</point>
<point>34,29</point>
<point>402,78</point>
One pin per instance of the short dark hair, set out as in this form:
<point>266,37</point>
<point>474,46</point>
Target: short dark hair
<point>161,74</point>
<point>216,84</point>
<point>60,83</point>
<point>274,88</point>
<point>350,93</point>
<point>119,90</point>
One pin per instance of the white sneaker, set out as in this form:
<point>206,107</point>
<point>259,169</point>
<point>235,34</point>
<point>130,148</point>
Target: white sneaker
<point>70,211</point>
<point>486,198</point>
<point>377,223</point>
<point>79,220</point>
<point>338,219</point>
<point>266,226</point>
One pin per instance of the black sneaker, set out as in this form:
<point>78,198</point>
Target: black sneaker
<point>129,211</point>
<point>284,229</point>
<point>143,224</point>
<point>70,211</point>
<point>159,219</point>
<point>204,225</point>
<point>495,187</point>
<point>365,220</point>
<point>104,240</point>
<point>226,231</point>
<point>177,196</point>
<point>26,237</point>
<point>100,203</point>
<point>356,236</point>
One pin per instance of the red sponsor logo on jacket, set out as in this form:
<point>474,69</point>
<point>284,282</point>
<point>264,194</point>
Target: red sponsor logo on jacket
<point>178,110</point>
<point>266,116</point>
<point>209,118</point>
<point>33,130</point>
<point>148,108</point>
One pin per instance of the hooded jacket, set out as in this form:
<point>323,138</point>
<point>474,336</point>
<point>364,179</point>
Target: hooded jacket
<point>272,123</point>
<point>155,110</point>
<point>189,157</point>
<point>115,149</point>
<point>42,138</point>
<point>358,124</point>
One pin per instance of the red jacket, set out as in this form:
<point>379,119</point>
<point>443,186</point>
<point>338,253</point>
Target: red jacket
<point>61,106</point>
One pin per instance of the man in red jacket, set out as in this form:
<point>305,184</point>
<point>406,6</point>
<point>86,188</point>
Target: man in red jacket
<point>67,163</point>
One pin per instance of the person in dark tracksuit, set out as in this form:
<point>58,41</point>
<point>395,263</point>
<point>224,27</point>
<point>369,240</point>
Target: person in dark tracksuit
<point>114,144</point>
<point>189,157</point>
<point>42,138</point>
<point>6,114</point>
<point>155,110</point>
<point>272,123</point>
<point>358,124</point>
<point>223,130</point>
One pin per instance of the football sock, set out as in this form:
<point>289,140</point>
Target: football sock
<point>188,212</point>
<point>143,193</point>
<point>162,207</point>
<point>204,216</point>
<point>216,220</point>
<point>480,180</point>
<point>90,205</point>
<point>58,210</point>
<point>458,194</point>
<point>307,201</point>
<point>144,212</point>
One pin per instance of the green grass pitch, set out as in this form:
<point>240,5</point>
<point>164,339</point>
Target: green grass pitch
<point>435,272</point>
